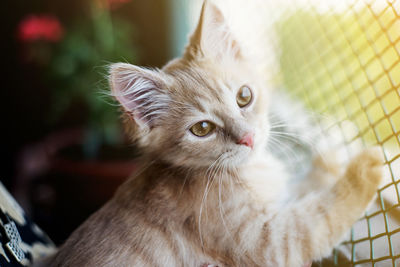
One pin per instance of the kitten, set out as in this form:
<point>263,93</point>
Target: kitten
<point>208,191</point>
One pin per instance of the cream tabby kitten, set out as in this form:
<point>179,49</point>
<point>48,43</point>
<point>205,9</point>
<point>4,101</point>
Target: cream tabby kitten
<point>208,191</point>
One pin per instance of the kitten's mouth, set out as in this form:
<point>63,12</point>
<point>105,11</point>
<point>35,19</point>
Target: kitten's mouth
<point>237,157</point>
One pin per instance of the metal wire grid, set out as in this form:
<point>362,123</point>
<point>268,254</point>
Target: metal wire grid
<point>347,64</point>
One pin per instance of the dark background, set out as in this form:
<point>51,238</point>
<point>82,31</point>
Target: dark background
<point>42,163</point>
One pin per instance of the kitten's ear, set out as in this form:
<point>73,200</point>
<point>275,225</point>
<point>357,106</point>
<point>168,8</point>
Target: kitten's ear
<point>140,92</point>
<point>212,37</point>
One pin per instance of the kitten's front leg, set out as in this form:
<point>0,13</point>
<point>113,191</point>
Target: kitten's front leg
<point>309,228</point>
<point>326,171</point>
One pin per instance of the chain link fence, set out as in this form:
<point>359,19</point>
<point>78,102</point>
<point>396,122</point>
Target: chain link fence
<point>342,58</point>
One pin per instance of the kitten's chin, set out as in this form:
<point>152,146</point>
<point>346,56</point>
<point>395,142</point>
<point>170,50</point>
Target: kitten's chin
<point>241,157</point>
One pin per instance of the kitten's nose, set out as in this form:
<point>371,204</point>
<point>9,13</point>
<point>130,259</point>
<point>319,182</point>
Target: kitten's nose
<point>247,140</point>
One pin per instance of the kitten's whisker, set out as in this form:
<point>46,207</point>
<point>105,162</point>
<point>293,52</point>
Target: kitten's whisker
<point>274,145</point>
<point>208,174</point>
<point>278,144</point>
<point>295,134</point>
<point>301,140</point>
<point>298,139</point>
<point>220,203</point>
<point>222,170</point>
<point>142,169</point>
<point>189,171</point>
<point>296,126</point>
<point>231,183</point>
<point>236,177</point>
<point>293,137</point>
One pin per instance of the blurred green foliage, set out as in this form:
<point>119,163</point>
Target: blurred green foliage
<point>77,72</point>
<point>346,65</point>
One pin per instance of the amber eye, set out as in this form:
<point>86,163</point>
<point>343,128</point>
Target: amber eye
<point>202,128</point>
<point>244,96</point>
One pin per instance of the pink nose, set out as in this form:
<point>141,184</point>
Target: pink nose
<point>247,140</point>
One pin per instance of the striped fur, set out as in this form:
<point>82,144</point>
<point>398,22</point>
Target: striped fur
<point>205,200</point>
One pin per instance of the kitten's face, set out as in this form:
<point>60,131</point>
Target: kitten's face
<point>215,114</point>
<point>209,107</point>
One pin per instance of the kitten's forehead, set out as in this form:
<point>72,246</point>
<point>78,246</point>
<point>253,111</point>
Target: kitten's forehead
<point>196,82</point>
<point>202,88</point>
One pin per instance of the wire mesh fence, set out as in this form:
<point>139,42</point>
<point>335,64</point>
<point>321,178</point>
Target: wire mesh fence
<point>342,58</point>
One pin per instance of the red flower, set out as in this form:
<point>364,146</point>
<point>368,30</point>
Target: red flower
<point>42,27</point>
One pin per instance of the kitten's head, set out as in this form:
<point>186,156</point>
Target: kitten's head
<point>208,106</point>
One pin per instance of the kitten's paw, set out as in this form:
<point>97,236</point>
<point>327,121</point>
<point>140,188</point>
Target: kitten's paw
<point>325,172</point>
<point>327,162</point>
<point>366,169</point>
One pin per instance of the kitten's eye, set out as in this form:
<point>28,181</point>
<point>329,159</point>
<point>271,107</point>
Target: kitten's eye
<point>202,128</point>
<point>244,96</point>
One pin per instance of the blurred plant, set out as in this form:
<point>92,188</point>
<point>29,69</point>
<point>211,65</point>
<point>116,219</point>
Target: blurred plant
<point>111,4</point>
<point>74,60</point>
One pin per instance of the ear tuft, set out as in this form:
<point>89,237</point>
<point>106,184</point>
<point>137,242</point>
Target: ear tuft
<point>140,92</point>
<point>212,36</point>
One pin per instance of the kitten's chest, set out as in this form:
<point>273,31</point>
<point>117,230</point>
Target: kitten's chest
<point>266,178</point>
